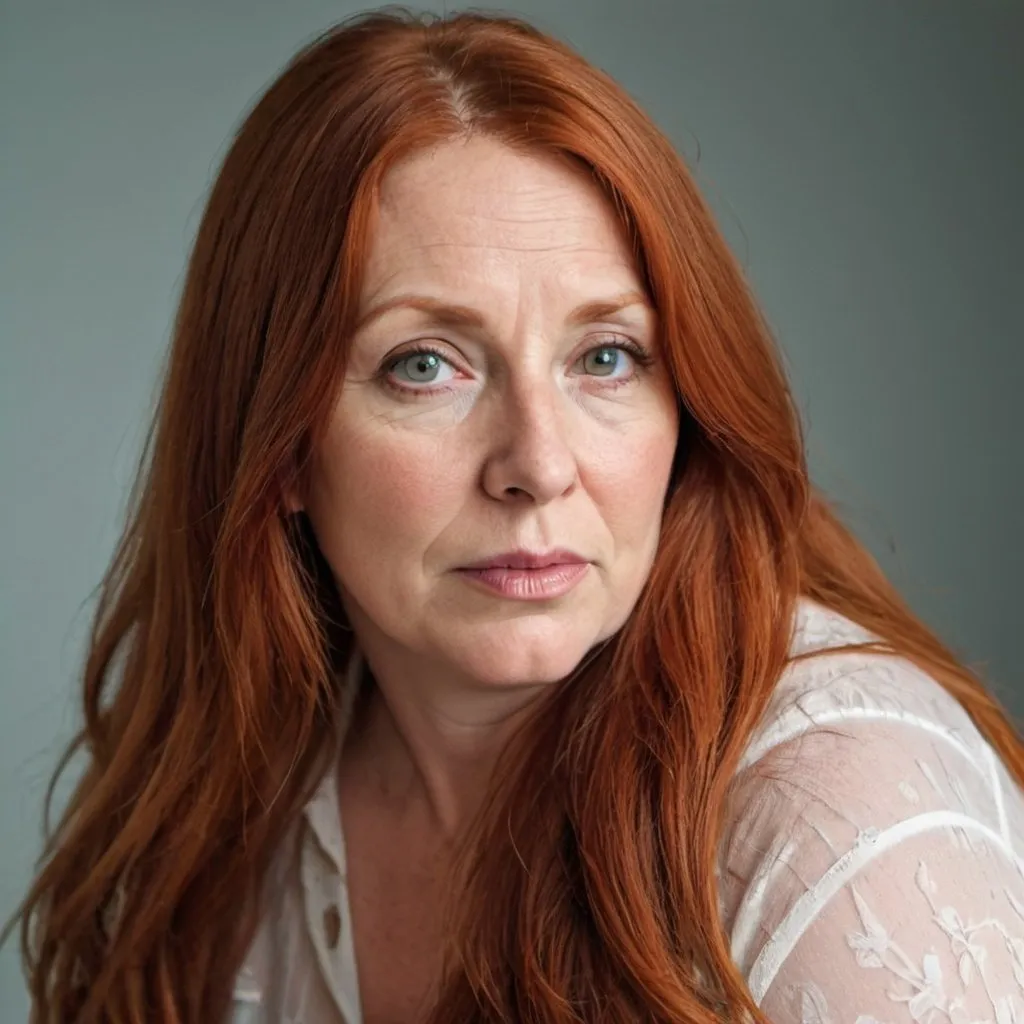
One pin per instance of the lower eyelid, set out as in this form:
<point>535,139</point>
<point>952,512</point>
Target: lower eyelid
<point>639,355</point>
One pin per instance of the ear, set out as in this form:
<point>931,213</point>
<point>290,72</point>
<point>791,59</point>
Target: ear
<point>291,494</point>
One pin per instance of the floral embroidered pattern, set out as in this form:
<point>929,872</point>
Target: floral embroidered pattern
<point>921,986</point>
<point>924,923</point>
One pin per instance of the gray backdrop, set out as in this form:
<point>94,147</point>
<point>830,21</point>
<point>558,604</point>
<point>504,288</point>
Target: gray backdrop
<point>865,158</point>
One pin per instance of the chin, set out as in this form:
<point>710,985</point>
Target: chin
<point>507,656</point>
<point>538,671</point>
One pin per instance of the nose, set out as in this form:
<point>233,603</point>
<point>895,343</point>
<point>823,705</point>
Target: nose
<point>532,458</point>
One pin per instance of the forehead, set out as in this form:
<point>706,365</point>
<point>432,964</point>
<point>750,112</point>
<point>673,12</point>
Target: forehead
<point>478,200</point>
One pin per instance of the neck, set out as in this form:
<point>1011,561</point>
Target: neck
<point>427,744</point>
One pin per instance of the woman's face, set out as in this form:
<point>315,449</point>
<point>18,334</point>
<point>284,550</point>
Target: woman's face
<point>504,397</point>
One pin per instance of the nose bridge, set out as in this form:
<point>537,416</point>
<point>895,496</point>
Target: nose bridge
<point>533,452</point>
<point>532,403</point>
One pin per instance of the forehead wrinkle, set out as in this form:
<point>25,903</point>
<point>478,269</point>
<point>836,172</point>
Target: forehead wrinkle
<point>507,235</point>
<point>402,247</point>
<point>573,217</point>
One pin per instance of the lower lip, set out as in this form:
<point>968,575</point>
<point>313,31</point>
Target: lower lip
<point>530,584</point>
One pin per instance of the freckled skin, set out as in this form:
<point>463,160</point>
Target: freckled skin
<point>514,443</point>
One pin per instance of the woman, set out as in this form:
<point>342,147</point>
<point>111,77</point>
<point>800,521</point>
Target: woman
<point>477,649</point>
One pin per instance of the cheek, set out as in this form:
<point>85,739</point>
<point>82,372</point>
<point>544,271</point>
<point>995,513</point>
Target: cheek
<point>629,483</point>
<point>392,494</point>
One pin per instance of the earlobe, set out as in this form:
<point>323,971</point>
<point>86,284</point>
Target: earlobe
<point>290,497</point>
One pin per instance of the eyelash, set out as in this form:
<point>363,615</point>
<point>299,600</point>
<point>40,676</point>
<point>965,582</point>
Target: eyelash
<point>639,354</point>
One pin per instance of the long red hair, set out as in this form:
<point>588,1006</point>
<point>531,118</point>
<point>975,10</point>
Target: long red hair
<point>211,684</point>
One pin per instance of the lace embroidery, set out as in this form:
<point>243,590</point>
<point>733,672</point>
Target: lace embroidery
<point>923,988</point>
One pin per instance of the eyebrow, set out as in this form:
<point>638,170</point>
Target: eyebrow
<point>448,314</point>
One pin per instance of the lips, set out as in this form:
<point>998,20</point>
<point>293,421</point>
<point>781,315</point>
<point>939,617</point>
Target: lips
<point>522,559</point>
<point>528,575</point>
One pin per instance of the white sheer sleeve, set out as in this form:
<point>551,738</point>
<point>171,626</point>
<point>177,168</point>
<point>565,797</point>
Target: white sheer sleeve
<point>870,872</point>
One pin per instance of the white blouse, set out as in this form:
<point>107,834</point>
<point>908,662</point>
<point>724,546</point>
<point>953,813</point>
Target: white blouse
<point>869,875</point>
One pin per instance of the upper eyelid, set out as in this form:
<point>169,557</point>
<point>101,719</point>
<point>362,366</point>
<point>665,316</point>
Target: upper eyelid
<point>440,347</point>
<point>636,350</point>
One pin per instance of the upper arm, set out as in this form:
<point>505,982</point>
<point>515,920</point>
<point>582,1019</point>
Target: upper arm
<point>871,874</point>
<point>926,930</point>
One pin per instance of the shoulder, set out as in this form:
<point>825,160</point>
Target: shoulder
<point>837,688</point>
<point>863,767</point>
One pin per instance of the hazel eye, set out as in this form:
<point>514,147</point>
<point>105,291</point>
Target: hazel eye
<point>602,362</point>
<point>612,362</point>
<point>421,368</point>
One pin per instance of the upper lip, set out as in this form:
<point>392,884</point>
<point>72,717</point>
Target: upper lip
<point>523,559</point>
